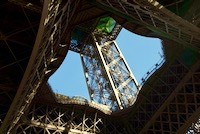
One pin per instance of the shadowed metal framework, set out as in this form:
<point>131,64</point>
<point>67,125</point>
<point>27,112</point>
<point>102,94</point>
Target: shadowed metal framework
<point>35,37</point>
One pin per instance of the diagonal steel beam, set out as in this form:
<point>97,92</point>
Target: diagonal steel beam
<point>155,17</point>
<point>37,66</point>
<point>179,86</point>
<point>10,64</point>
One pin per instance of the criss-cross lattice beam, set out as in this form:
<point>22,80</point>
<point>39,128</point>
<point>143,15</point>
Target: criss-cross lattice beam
<point>54,22</point>
<point>70,119</point>
<point>155,17</point>
<point>180,108</point>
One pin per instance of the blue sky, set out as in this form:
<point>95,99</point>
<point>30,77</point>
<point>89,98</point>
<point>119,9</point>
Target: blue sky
<point>141,53</point>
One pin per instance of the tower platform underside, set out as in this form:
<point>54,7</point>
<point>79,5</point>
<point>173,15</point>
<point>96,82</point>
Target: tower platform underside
<point>35,37</point>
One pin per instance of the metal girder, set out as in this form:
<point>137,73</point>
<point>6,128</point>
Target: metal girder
<point>49,119</point>
<point>155,17</point>
<point>108,77</point>
<point>69,119</point>
<point>153,95</point>
<point>180,108</point>
<point>78,48</point>
<point>48,38</point>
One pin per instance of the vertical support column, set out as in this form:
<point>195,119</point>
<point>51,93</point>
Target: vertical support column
<point>122,80</point>
<point>116,92</point>
<point>107,74</point>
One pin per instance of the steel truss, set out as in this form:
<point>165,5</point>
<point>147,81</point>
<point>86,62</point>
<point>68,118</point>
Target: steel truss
<point>47,119</point>
<point>177,89</point>
<point>156,93</point>
<point>156,18</point>
<point>104,61</point>
<point>181,108</point>
<point>54,22</point>
<point>107,74</point>
<point>52,120</point>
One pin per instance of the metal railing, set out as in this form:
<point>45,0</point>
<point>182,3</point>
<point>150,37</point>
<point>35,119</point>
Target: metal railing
<point>153,69</point>
<point>78,100</point>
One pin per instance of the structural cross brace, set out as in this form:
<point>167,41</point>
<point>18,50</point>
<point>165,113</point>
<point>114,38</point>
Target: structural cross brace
<point>108,76</point>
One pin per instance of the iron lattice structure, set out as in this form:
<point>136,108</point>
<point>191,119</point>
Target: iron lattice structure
<point>52,120</point>
<point>168,102</point>
<point>108,76</point>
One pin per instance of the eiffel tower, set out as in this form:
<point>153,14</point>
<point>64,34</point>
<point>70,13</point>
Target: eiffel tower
<point>36,36</point>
